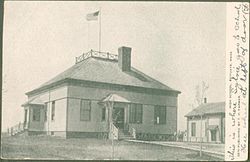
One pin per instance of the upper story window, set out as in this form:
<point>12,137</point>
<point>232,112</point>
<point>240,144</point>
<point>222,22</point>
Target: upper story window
<point>135,113</point>
<point>85,110</point>
<point>53,110</point>
<point>160,114</point>
<point>36,114</point>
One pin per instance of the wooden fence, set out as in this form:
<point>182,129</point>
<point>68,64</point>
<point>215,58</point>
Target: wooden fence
<point>18,128</point>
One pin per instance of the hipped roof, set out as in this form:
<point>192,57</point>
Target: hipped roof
<point>208,108</point>
<point>106,71</point>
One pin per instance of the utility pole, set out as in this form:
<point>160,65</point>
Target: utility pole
<point>201,137</point>
<point>100,29</point>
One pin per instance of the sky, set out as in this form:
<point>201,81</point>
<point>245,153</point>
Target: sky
<point>180,44</point>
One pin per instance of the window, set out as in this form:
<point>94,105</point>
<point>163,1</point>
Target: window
<point>85,110</point>
<point>53,110</point>
<point>193,129</point>
<point>25,115</point>
<point>160,114</point>
<point>135,113</point>
<point>45,111</point>
<point>103,114</point>
<point>36,114</point>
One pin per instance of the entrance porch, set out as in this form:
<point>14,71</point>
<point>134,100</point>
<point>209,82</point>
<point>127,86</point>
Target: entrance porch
<point>118,117</point>
<point>35,115</point>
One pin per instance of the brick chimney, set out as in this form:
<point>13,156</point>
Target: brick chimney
<point>124,58</point>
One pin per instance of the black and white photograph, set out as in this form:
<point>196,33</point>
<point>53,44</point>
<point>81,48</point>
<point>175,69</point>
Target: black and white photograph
<point>118,80</point>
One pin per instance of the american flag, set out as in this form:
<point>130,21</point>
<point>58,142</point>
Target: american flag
<point>92,16</point>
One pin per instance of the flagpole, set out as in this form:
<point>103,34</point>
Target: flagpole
<point>100,30</point>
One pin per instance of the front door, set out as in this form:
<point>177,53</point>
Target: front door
<point>213,135</point>
<point>118,117</point>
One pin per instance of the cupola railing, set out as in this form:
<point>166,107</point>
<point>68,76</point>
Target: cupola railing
<point>96,54</point>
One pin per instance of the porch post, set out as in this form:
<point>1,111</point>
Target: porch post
<point>27,117</point>
<point>110,120</point>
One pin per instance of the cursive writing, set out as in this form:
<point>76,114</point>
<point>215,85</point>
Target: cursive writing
<point>237,86</point>
<point>231,152</point>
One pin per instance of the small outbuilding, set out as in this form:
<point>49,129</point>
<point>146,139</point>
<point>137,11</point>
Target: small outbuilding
<point>207,123</point>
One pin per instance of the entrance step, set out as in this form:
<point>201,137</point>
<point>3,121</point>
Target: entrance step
<point>124,135</point>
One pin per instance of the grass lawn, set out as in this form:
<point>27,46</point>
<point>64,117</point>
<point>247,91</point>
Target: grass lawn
<point>44,147</point>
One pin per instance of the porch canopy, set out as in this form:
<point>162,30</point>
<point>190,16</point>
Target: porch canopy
<point>109,102</point>
<point>114,98</point>
<point>34,101</point>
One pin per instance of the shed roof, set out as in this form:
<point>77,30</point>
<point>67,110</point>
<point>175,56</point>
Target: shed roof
<point>106,71</point>
<point>208,108</point>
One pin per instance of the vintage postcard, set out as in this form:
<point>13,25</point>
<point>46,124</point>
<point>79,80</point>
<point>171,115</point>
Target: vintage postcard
<point>125,80</point>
